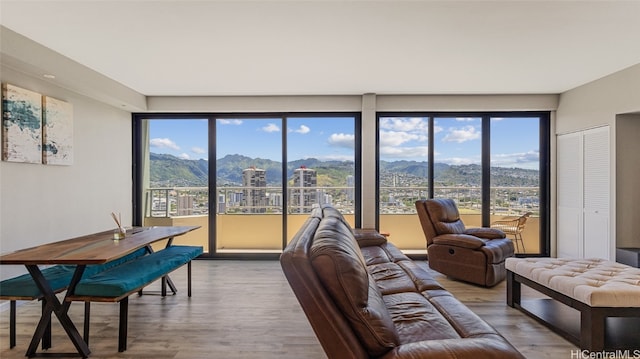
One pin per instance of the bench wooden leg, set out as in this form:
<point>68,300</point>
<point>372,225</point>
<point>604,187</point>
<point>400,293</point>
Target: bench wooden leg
<point>592,328</point>
<point>12,324</point>
<point>189,279</point>
<point>87,315</point>
<point>122,333</point>
<point>513,290</point>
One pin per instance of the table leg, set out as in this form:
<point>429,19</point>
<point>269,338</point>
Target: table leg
<point>53,305</point>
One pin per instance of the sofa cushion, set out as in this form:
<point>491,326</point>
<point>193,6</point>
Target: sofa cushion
<point>368,237</point>
<point>416,319</point>
<point>339,264</point>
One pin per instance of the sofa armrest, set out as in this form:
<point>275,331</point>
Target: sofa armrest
<point>487,346</point>
<point>486,233</point>
<point>459,240</point>
<point>368,237</point>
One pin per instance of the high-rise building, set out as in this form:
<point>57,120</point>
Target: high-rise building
<point>185,205</point>
<point>350,188</point>
<point>254,197</point>
<point>304,193</point>
<point>222,203</point>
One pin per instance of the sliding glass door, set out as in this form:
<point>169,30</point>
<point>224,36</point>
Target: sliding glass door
<point>249,186</point>
<point>173,177</point>
<point>493,165</point>
<point>321,167</point>
<point>270,172</point>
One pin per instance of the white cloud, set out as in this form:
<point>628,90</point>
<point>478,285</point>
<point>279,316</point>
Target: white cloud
<point>198,150</point>
<point>466,133</point>
<point>184,156</point>
<point>334,157</point>
<point>529,159</point>
<point>404,124</point>
<point>163,143</point>
<point>302,129</point>
<point>396,138</point>
<point>229,122</point>
<point>342,140</point>
<point>459,161</point>
<point>272,127</point>
<point>405,152</point>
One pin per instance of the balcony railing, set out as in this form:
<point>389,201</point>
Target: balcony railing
<point>185,201</point>
<point>258,227</point>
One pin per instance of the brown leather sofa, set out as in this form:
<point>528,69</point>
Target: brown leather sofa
<point>474,255</point>
<point>365,299</point>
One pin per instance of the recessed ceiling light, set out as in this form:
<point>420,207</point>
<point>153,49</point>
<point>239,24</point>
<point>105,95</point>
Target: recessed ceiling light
<point>49,76</point>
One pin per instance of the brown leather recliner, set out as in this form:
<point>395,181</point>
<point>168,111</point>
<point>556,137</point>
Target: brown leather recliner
<point>474,255</point>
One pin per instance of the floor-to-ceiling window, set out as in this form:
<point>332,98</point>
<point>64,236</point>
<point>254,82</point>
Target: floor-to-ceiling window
<point>270,171</point>
<point>516,179</point>
<point>403,176</point>
<point>249,187</point>
<point>321,167</point>
<point>494,166</point>
<point>172,177</point>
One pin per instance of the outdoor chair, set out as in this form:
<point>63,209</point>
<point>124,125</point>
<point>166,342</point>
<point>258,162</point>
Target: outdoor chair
<point>513,227</point>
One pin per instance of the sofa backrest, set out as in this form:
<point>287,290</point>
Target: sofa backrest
<point>328,274</point>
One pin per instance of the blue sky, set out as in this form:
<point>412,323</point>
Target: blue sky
<point>457,140</point>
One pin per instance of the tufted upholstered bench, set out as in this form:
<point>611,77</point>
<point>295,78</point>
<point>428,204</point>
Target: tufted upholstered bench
<point>597,288</point>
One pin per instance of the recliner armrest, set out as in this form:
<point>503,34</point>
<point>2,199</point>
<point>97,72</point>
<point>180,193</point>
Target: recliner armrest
<point>368,237</point>
<point>459,240</point>
<point>486,233</point>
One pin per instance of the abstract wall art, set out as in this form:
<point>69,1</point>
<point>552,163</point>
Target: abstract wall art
<point>21,125</point>
<point>57,132</point>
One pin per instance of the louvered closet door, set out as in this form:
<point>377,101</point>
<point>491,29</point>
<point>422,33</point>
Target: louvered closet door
<point>597,174</point>
<point>570,209</point>
<point>583,194</point>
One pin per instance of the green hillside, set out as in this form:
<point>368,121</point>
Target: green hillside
<point>171,171</point>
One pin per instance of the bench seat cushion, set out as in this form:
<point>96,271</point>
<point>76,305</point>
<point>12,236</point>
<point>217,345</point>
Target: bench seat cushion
<point>135,274</point>
<point>94,269</point>
<point>58,277</point>
<point>594,281</point>
<point>24,287</point>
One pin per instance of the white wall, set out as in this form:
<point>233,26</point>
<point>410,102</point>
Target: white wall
<point>627,175</point>
<point>597,103</point>
<point>600,103</point>
<point>44,203</point>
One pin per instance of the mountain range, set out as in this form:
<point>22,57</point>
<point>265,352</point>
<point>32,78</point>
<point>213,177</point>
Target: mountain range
<point>170,171</point>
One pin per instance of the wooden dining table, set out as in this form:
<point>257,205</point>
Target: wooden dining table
<point>97,248</point>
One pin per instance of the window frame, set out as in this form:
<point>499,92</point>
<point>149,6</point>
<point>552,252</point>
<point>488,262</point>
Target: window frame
<point>544,167</point>
<point>137,166</point>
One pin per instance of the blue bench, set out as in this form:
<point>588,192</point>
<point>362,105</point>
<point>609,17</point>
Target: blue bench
<point>116,284</point>
<point>24,288</point>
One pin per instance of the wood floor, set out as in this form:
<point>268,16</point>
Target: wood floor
<point>245,309</point>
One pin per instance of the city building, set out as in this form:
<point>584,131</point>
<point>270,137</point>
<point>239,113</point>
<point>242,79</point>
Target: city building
<point>185,205</point>
<point>304,192</point>
<point>254,193</point>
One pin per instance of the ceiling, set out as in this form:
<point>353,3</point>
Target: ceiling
<point>208,48</point>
